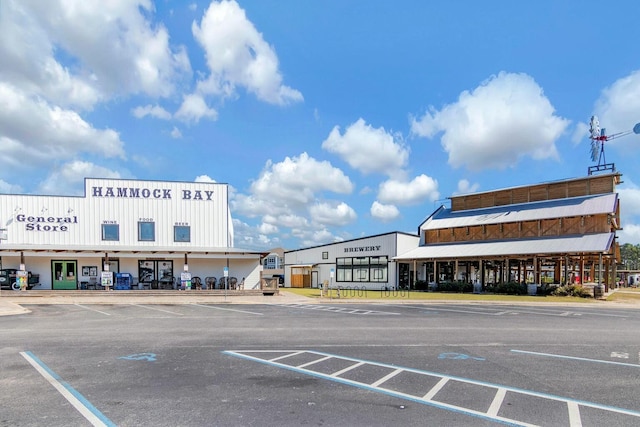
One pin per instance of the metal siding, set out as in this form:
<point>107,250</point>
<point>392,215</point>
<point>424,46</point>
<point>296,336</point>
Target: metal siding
<point>512,213</point>
<point>554,245</point>
<point>207,218</point>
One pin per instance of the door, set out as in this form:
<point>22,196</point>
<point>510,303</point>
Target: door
<point>404,276</point>
<point>64,275</point>
<point>314,279</point>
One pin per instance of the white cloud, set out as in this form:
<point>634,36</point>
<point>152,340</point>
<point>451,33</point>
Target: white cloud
<point>69,178</point>
<point>580,133</point>
<point>204,178</point>
<point>247,236</point>
<point>630,214</point>
<point>6,188</point>
<point>296,180</point>
<point>618,107</point>
<point>503,120</point>
<point>113,46</point>
<point>465,187</point>
<point>367,149</point>
<point>267,228</point>
<point>290,195</point>
<point>151,110</point>
<point>384,212</point>
<point>175,133</point>
<point>194,108</point>
<point>237,55</point>
<point>336,214</point>
<point>315,237</point>
<point>418,190</point>
<point>292,221</point>
<point>31,128</point>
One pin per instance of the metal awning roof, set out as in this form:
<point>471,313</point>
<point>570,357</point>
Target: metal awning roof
<point>303,265</point>
<point>590,243</point>
<point>557,208</point>
<point>122,250</point>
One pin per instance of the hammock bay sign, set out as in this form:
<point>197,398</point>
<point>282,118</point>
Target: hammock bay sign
<point>149,193</point>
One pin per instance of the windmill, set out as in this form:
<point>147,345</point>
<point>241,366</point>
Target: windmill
<point>598,137</point>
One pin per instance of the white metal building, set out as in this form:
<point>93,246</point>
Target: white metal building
<point>359,263</point>
<point>153,230</point>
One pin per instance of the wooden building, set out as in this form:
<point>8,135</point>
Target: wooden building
<point>556,232</point>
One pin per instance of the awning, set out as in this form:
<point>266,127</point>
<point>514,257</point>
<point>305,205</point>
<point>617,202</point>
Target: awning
<point>590,243</point>
<point>303,265</point>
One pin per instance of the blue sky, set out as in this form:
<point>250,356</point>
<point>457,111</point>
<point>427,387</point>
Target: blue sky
<point>330,120</point>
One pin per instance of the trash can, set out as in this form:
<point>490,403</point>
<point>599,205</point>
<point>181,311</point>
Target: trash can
<point>598,291</point>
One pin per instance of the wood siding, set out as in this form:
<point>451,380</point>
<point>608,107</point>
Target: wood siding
<point>525,229</point>
<point>591,185</point>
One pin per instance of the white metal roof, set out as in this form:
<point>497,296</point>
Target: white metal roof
<point>535,246</point>
<point>557,208</point>
<point>122,250</point>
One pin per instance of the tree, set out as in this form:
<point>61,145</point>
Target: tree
<point>630,255</point>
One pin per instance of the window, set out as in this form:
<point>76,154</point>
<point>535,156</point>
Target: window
<point>110,232</point>
<point>362,269</point>
<point>182,233</point>
<point>146,231</point>
<point>325,255</point>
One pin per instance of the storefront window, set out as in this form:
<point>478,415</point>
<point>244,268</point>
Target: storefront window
<point>181,233</point>
<point>110,232</point>
<point>146,231</point>
<point>362,269</point>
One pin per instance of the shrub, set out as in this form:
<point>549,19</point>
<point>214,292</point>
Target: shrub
<point>458,287</point>
<point>509,288</point>
<point>421,285</point>
<point>571,291</point>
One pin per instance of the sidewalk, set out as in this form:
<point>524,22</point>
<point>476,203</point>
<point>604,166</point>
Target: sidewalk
<point>11,301</point>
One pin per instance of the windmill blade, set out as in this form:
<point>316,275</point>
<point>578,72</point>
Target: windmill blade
<point>595,149</point>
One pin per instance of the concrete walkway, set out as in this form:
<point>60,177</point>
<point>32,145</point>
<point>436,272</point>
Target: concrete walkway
<point>11,301</point>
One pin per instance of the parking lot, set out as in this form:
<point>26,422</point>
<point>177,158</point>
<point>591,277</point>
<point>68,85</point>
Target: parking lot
<point>291,364</point>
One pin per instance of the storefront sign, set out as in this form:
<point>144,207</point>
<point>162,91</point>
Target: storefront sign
<point>363,249</point>
<point>149,193</point>
<point>46,223</point>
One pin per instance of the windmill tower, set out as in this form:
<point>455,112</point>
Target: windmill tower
<point>598,137</point>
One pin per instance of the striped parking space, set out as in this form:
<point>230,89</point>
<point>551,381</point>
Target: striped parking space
<point>499,403</point>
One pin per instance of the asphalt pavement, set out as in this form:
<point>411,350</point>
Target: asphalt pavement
<point>11,302</point>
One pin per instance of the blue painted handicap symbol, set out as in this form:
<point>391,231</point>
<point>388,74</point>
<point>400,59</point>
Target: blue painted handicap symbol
<point>458,356</point>
<point>149,357</point>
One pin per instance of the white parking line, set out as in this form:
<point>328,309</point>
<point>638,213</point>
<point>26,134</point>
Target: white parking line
<point>492,412</point>
<point>157,309</point>
<point>228,309</point>
<point>92,309</point>
<point>497,402</point>
<point>82,405</point>
<point>584,359</point>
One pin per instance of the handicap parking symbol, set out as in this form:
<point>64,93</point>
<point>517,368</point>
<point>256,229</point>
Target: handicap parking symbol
<point>459,356</point>
<point>149,357</point>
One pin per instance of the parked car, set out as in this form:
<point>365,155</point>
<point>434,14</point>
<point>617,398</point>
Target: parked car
<point>9,276</point>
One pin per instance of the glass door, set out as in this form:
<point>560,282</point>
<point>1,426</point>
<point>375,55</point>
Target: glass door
<point>64,275</point>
